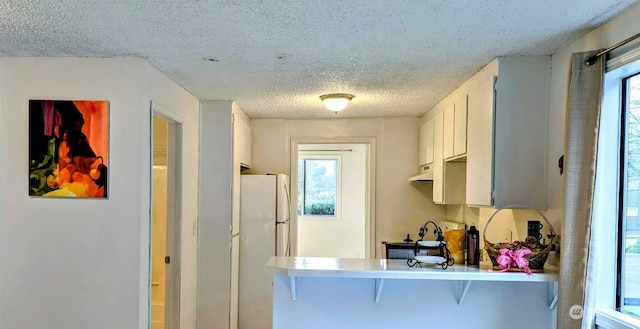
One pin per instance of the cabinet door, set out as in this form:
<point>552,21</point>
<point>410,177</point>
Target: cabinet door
<point>429,140</point>
<point>480,144</point>
<point>246,142</point>
<point>242,140</point>
<point>422,145</point>
<point>448,131</point>
<point>460,126</point>
<point>425,152</point>
<point>238,145</point>
<point>438,160</point>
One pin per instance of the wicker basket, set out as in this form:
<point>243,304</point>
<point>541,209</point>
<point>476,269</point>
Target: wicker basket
<point>536,258</point>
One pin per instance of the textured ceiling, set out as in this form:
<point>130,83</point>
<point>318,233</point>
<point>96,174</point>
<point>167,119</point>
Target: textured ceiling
<point>274,58</point>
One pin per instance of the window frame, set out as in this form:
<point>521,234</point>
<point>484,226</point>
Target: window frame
<point>310,155</point>
<point>609,203</point>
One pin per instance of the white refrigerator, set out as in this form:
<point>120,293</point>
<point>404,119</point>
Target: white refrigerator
<point>264,227</point>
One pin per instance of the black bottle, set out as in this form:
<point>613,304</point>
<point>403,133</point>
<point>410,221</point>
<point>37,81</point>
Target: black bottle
<point>473,246</point>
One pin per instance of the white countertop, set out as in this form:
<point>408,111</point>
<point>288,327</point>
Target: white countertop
<point>393,269</point>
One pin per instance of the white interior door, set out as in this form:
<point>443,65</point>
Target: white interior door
<point>166,224</point>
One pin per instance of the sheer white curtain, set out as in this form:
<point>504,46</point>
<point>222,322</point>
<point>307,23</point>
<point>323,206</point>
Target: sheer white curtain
<point>581,140</point>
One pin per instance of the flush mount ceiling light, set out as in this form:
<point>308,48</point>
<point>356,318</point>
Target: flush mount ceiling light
<point>336,102</point>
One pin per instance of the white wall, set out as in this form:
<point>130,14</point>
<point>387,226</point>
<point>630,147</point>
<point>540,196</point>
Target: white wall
<point>69,263</point>
<point>343,235</point>
<point>401,207</point>
<point>618,29</point>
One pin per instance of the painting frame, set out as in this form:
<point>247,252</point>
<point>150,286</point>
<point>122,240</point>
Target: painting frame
<point>69,148</point>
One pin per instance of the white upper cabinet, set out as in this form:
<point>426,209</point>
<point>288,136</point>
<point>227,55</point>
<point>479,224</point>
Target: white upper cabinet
<point>508,102</point>
<point>490,136</point>
<point>448,131</point>
<point>460,125</point>
<point>455,127</point>
<point>438,160</point>
<point>448,176</point>
<point>242,138</point>
<point>480,144</point>
<point>425,151</point>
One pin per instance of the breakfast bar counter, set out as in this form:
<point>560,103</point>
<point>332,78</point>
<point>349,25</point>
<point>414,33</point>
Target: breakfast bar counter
<point>316,292</point>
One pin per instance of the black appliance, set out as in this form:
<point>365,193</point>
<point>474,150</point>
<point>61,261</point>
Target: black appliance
<point>402,250</point>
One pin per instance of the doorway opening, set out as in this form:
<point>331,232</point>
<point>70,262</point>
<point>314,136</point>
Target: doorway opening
<point>333,183</point>
<point>165,223</point>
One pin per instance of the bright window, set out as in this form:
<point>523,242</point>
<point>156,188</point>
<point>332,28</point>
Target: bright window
<point>318,185</point>
<point>629,228</point>
<point>615,232</point>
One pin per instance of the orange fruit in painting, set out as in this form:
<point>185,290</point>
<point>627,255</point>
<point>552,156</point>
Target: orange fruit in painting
<point>94,173</point>
<point>80,177</point>
<point>65,175</point>
<point>77,176</point>
<point>52,181</point>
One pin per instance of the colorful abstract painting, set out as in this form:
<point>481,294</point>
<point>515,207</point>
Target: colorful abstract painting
<point>68,148</point>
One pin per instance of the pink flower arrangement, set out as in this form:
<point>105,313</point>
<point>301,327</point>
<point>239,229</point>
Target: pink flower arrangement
<point>508,258</point>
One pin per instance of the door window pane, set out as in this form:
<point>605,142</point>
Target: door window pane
<point>317,186</point>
